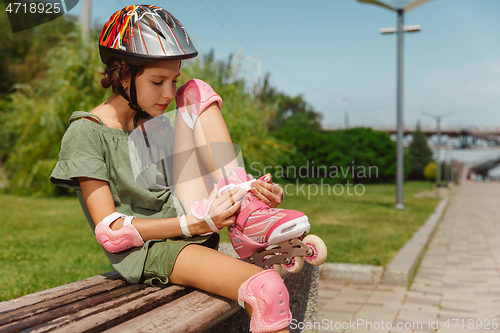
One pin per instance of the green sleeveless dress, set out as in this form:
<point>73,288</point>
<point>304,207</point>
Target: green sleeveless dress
<point>95,151</point>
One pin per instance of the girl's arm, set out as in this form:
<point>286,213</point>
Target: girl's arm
<point>100,204</point>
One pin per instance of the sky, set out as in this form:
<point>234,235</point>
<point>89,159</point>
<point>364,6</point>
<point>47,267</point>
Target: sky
<point>333,49</point>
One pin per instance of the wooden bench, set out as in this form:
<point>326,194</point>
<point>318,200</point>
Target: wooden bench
<point>107,303</point>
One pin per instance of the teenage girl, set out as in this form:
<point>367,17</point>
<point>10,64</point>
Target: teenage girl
<point>140,228</point>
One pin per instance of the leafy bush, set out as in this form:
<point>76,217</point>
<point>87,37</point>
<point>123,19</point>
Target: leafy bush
<point>430,171</point>
<point>20,53</point>
<point>40,111</point>
<point>359,155</point>
<point>288,111</point>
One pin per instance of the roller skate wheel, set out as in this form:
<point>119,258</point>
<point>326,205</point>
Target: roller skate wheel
<point>276,267</point>
<point>318,247</point>
<point>295,265</point>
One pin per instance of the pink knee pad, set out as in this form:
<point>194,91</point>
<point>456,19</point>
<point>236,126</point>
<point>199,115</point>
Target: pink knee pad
<point>267,295</point>
<point>118,240</point>
<point>200,95</point>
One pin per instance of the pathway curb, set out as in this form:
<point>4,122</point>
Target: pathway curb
<point>352,273</point>
<point>401,268</point>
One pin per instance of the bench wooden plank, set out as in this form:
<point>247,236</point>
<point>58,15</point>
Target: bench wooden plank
<point>61,308</point>
<point>56,292</point>
<point>115,307</point>
<point>104,316</point>
<point>196,312</point>
<point>60,302</point>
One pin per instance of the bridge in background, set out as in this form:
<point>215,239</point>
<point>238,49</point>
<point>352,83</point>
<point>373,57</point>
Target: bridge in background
<point>458,138</point>
<point>454,138</point>
<point>484,168</point>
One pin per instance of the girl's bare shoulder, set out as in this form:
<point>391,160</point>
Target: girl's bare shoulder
<point>99,112</point>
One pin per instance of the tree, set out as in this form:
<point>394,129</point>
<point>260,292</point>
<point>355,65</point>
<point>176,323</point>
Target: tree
<point>20,53</point>
<point>289,112</point>
<point>420,154</point>
<point>38,112</point>
<point>23,60</point>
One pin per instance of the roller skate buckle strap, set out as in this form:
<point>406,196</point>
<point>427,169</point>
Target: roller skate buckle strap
<point>245,185</point>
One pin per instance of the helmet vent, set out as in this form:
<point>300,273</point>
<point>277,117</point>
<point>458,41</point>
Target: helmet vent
<point>170,21</point>
<point>155,29</point>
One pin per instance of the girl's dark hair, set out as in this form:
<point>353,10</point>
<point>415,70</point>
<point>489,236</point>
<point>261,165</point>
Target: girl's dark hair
<point>115,71</point>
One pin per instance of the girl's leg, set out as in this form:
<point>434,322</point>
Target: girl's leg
<point>202,155</point>
<point>206,269</point>
<point>192,181</point>
<point>211,131</point>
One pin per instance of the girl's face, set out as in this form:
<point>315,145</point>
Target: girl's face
<point>156,86</point>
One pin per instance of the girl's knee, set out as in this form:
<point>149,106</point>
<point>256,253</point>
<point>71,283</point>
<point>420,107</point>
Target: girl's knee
<point>268,297</point>
<point>194,98</point>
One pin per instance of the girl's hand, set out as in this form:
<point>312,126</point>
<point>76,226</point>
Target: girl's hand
<point>221,210</point>
<point>268,193</point>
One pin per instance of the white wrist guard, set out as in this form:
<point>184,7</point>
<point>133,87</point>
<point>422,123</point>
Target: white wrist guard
<point>184,226</point>
<point>117,240</point>
<point>200,210</point>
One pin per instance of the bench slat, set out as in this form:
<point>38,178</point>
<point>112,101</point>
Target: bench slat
<point>52,293</point>
<point>197,312</point>
<point>60,302</point>
<point>104,316</point>
<point>52,312</point>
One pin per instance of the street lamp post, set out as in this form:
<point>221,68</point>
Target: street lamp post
<point>87,4</point>
<point>346,108</point>
<point>446,167</point>
<point>399,153</point>
<point>438,132</point>
<point>400,9</point>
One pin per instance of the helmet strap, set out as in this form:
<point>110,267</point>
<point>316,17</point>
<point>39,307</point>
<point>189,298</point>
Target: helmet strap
<point>133,92</point>
<point>132,100</point>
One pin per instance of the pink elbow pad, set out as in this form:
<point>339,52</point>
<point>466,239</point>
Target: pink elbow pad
<point>118,240</point>
<point>266,293</point>
<point>200,95</point>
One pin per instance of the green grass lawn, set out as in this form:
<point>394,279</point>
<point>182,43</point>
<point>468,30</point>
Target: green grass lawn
<point>46,242</point>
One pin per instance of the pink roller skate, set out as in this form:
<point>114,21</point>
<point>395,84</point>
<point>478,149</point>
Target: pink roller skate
<point>268,236</point>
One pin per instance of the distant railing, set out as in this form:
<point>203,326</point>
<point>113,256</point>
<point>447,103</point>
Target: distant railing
<point>472,137</point>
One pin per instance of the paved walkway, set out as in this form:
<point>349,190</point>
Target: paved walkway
<point>456,289</point>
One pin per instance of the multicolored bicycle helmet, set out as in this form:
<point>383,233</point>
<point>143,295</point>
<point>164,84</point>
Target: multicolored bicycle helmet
<point>142,34</point>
